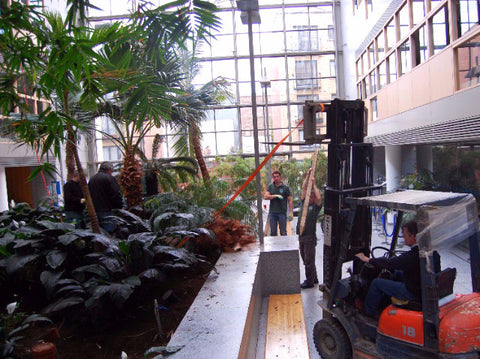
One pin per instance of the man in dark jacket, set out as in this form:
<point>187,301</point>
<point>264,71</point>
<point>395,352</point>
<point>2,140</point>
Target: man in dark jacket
<point>409,265</point>
<point>308,239</point>
<point>74,201</point>
<point>106,195</point>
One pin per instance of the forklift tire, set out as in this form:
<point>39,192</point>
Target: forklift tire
<point>331,340</point>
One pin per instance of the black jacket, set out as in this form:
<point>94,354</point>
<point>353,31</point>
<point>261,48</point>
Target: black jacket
<point>105,192</point>
<point>72,194</point>
<point>409,263</point>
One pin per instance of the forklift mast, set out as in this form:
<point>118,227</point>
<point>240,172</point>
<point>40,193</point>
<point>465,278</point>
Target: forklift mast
<point>350,174</point>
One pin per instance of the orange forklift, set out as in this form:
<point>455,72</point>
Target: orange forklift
<point>440,325</point>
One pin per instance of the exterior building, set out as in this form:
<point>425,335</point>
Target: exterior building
<point>417,70</point>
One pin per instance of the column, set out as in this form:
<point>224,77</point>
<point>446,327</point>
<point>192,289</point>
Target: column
<point>424,158</point>
<point>3,190</point>
<point>393,165</point>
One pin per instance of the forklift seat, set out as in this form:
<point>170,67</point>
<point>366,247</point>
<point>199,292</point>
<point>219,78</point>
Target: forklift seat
<point>444,279</point>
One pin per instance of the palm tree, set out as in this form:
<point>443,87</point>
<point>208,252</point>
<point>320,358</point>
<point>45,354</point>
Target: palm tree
<point>146,77</point>
<point>166,172</point>
<point>192,109</point>
<point>61,63</point>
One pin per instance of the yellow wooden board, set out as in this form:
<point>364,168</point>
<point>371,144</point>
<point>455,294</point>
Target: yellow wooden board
<point>286,336</point>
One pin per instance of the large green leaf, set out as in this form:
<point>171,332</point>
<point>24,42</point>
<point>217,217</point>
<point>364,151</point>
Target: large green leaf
<point>167,253</point>
<point>50,281</point>
<point>96,270</point>
<point>17,262</point>
<point>62,304</point>
<point>120,293</point>
<point>55,258</point>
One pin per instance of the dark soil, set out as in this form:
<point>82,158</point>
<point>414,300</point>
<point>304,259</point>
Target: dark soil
<point>134,333</point>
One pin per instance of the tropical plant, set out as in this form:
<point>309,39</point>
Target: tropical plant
<point>54,268</point>
<point>421,180</point>
<point>236,170</point>
<point>65,71</point>
<point>146,76</point>
<point>182,223</point>
<point>165,173</point>
<point>12,328</point>
<point>192,110</point>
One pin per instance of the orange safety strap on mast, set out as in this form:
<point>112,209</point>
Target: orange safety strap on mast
<point>252,176</point>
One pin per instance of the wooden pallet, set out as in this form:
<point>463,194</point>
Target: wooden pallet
<point>286,331</point>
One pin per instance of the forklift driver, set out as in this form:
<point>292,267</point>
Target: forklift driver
<point>409,265</point>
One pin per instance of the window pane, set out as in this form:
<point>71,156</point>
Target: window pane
<point>360,91</point>
<point>371,55</point>
<point>367,86</point>
<point>304,38</point>
<point>381,46</point>
<point>418,8</point>
<point>404,21</point>
<point>272,19</point>
<point>278,91</point>
<point>333,70</point>
<point>296,16</point>
<point>382,74</point>
<point>420,39</point>
<point>223,46</point>
<point>468,14</point>
<point>440,31</point>
<point>226,21</point>
<point>434,3</point>
<point>392,67</point>
<point>391,36</point>
<point>374,109</point>
<point>373,81</point>
<point>273,68</point>
<point>366,66</point>
<point>306,74</point>
<point>359,68</point>
<point>405,59</point>
<point>271,43</point>
<point>468,55</point>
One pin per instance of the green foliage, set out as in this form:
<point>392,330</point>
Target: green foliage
<point>422,180</point>
<point>82,275</point>
<point>236,170</point>
<point>457,169</point>
<point>12,327</point>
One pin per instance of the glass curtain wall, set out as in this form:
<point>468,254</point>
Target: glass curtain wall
<point>294,53</point>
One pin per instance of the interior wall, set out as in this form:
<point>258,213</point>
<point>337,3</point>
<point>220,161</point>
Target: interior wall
<point>18,187</point>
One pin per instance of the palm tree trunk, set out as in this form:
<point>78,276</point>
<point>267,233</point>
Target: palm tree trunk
<point>131,179</point>
<point>197,148</point>
<point>83,183</point>
<point>70,148</point>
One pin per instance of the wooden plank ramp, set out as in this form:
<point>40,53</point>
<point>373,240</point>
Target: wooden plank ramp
<point>286,336</point>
